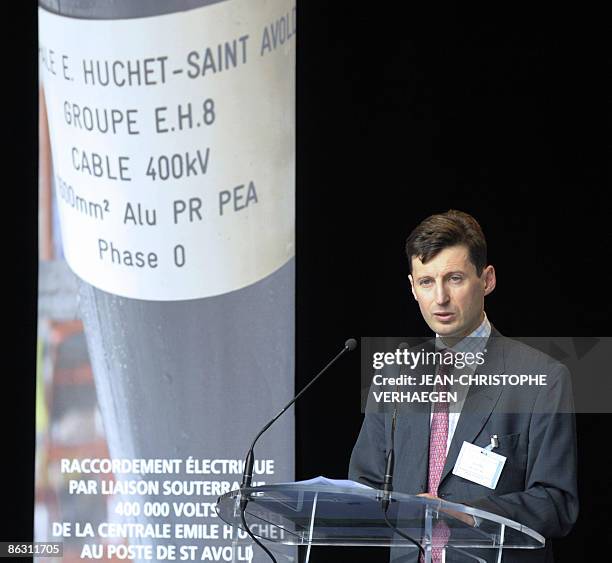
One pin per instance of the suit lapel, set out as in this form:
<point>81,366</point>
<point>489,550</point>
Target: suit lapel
<point>412,432</point>
<point>479,403</point>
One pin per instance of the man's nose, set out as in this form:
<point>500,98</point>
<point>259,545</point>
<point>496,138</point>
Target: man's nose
<point>441,294</point>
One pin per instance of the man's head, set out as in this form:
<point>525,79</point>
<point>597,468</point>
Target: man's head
<point>449,277</point>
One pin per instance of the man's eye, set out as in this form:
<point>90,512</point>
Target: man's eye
<point>425,282</point>
<point>456,278</point>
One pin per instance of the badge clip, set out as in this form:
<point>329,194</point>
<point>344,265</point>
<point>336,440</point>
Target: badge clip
<point>494,443</point>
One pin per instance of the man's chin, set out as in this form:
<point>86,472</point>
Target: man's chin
<point>448,330</point>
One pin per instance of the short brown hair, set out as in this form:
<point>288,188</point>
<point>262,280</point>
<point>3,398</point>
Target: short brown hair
<point>442,230</point>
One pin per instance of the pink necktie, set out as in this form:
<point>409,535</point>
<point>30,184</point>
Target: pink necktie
<point>438,437</point>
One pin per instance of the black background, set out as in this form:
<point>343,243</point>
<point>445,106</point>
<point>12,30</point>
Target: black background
<point>500,112</point>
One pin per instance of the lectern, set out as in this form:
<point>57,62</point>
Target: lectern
<point>297,514</point>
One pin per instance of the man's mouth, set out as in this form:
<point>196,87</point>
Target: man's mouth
<point>444,316</point>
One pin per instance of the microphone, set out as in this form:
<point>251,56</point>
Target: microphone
<point>247,474</point>
<point>387,486</point>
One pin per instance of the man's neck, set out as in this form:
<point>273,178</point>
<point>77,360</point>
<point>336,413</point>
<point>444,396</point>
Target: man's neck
<point>452,341</point>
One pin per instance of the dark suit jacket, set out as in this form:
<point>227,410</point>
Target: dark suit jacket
<point>537,435</point>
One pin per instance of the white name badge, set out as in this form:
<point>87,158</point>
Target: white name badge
<point>479,465</point>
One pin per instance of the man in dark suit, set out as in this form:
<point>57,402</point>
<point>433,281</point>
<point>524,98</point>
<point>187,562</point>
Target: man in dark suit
<point>533,426</point>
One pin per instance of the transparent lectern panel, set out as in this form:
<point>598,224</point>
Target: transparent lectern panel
<point>297,514</point>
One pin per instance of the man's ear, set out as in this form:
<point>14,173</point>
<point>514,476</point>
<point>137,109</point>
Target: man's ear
<point>412,287</point>
<point>489,278</point>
